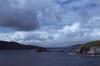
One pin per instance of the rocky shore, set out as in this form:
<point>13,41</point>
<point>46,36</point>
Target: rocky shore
<point>90,49</point>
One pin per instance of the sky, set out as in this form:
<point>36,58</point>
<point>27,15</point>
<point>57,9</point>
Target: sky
<point>50,23</point>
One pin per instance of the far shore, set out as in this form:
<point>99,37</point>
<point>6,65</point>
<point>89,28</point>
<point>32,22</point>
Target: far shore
<point>82,54</point>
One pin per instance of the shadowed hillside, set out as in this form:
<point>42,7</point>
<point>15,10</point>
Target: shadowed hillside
<point>5,45</point>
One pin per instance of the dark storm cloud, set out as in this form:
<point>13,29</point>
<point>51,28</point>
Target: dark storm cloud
<point>64,2</point>
<point>16,16</point>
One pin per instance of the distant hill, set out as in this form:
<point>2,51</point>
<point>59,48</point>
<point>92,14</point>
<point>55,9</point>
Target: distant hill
<point>89,48</point>
<point>5,45</point>
<point>73,47</point>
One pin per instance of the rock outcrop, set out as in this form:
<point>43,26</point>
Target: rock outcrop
<point>94,50</point>
<point>90,48</point>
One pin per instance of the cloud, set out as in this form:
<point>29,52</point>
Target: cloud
<point>67,35</point>
<point>45,37</point>
<point>61,22</point>
<point>17,15</point>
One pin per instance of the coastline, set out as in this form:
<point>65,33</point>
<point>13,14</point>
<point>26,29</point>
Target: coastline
<point>83,54</point>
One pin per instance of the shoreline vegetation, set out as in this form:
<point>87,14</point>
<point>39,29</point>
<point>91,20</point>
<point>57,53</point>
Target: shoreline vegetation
<point>88,49</point>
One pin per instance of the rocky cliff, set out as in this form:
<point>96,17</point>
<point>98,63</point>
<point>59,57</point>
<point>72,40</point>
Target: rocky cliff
<point>90,48</point>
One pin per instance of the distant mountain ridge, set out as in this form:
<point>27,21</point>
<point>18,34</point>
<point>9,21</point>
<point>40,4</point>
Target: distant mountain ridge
<point>5,45</point>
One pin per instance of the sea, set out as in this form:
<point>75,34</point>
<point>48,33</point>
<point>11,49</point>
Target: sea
<point>31,58</point>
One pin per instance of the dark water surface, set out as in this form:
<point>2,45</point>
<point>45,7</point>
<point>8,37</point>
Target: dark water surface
<point>29,58</point>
